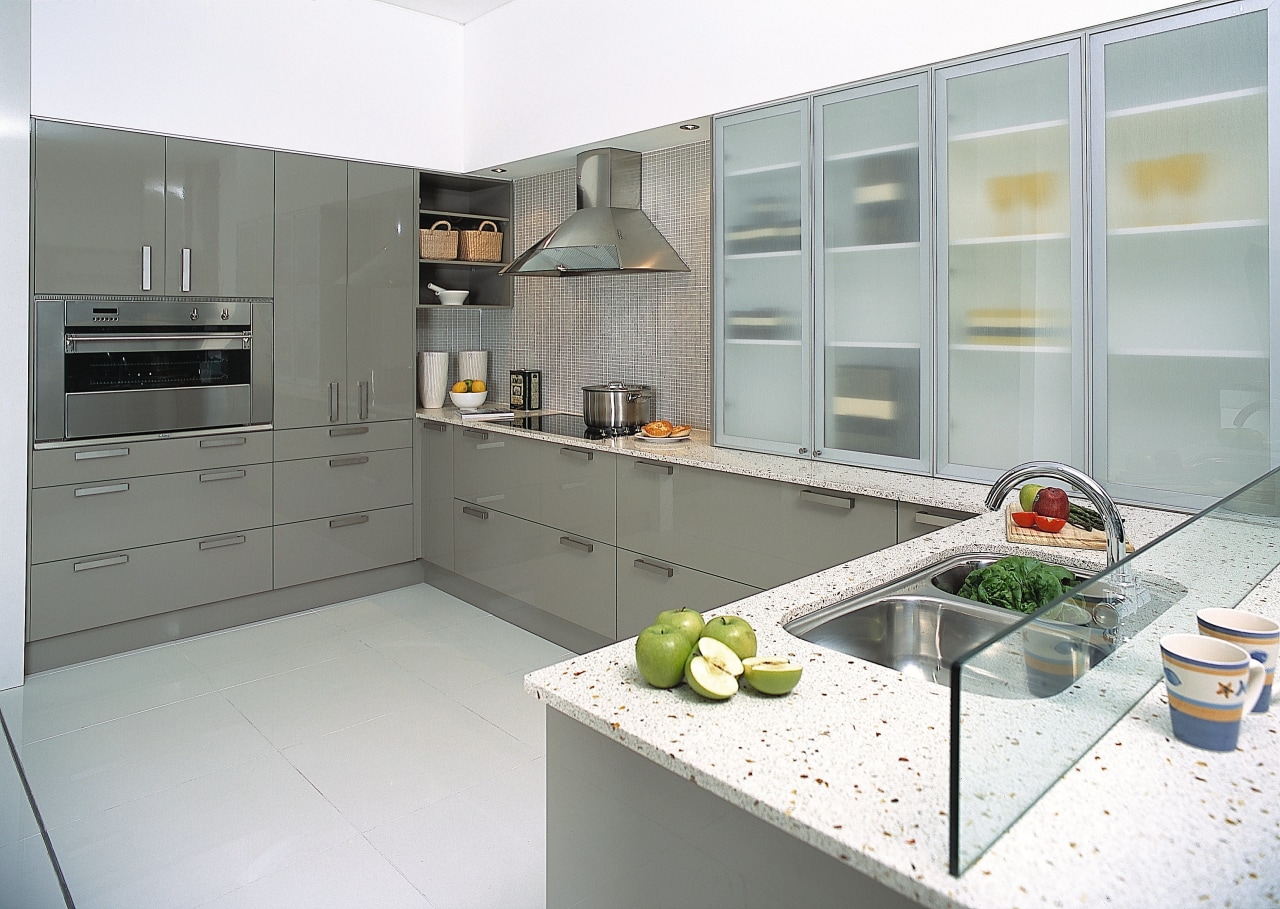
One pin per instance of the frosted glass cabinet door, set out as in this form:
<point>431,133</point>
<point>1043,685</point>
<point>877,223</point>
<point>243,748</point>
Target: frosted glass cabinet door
<point>1182,200</point>
<point>763,322</point>
<point>872,276</point>
<point>1010,262</point>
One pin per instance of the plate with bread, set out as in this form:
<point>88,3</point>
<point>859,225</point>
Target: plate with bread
<point>663,431</point>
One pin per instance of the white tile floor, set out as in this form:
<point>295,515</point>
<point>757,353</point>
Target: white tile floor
<point>376,753</point>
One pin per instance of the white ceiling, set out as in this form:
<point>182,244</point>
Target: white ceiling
<point>460,11</point>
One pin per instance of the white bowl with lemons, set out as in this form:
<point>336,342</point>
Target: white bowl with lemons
<point>468,393</point>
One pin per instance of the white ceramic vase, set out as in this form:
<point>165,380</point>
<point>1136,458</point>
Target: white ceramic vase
<point>473,364</point>
<point>433,378</point>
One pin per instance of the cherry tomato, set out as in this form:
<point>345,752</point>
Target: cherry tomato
<point>1024,518</point>
<point>1048,524</point>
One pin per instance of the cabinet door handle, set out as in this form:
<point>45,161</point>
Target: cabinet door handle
<point>475,512</point>
<point>101,453</point>
<point>90,564</point>
<point>146,268</point>
<point>101,490</point>
<point>935,520</point>
<point>645,565</point>
<point>224,442</point>
<point>186,270</point>
<point>822,497</point>
<point>437,427</point>
<point>350,521</point>
<point>333,402</point>
<point>349,461</point>
<point>656,468</point>
<point>337,431</point>
<point>476,434</point>
<point>366,399</point>
<point>234,539</point>
<point>216,475</point>
<point>581,545</point>
<point>578,453</point>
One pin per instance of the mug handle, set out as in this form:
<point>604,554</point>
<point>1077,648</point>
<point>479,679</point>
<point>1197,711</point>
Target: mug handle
<point>1253,688</point>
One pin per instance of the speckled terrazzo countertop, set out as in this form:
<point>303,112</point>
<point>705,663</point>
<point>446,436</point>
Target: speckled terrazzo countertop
<point>855,762</point>
<point>699,452</point>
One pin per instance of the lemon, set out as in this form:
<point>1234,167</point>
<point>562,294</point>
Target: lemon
<point>459,386</point>
<point>477,385</point>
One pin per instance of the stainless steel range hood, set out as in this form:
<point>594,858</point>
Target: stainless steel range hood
<point>608,232</point>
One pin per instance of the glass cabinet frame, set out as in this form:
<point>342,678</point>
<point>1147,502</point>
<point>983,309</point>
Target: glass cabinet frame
<point>890,373</point>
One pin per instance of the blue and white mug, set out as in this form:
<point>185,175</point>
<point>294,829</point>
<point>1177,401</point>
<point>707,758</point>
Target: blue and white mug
<point>1257,634</point>
<point>1212,684</point>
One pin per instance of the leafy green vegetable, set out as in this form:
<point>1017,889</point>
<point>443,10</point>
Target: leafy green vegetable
<point>1017,582</point>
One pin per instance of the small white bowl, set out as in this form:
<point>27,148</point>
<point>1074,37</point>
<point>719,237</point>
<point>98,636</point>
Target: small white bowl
<point>468,398</point>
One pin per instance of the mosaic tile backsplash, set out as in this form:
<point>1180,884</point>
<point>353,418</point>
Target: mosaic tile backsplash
<point>585,330</point>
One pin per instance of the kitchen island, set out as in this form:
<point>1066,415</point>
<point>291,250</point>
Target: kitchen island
<point>853,767</point>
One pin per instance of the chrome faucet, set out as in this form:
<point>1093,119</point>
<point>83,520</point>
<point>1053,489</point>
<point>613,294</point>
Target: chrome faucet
<point>1111,520</point>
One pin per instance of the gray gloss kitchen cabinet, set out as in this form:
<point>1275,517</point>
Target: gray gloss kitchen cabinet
<point>436,492</point>
<point>344,295</point>
<point>118,212</point>
<point>757,532</point>
<point>646,586</point>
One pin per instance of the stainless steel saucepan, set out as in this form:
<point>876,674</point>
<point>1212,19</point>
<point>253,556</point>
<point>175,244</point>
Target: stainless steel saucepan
<point>616,405</point>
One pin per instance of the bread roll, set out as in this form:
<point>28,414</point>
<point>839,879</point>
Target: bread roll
<point>679,431</point>
<point>658,429</point>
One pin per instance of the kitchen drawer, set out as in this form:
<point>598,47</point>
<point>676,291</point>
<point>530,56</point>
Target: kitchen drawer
<point>646,586</point>
<point>72,521</point>
<point>319,487</point>
<point>329,547</point>
<point>116,460</point>
<point>75,594</point>
<point>564,574</point>
<point>759,532</point>
<point>496,470</point>
<point>577,491</point>
<point>917,520</point>
<point>323,441</point>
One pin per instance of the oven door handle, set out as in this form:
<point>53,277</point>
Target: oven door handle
<point>140,343</point>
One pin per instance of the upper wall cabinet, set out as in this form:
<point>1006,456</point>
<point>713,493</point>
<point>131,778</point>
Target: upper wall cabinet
<point>874,378</point>
<point>119,212</point>
<point>1184,327</point>
<point>763,301</point>
<point>1011,382</point>
<point>453,203</point>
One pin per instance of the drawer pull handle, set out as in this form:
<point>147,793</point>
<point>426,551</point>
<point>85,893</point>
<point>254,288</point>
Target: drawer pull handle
<point>101,490</point>
<point>822,497</point>
<point>438,427</point>
<point>224,442</point>
<point>476,434</point>
<point>482,446</point>
<point>475,512</point>
<point>349,461</point>
<point>218,542</point>
<point>485,500</point>
<point>657,468</point>
<point>215,476</point>
<point>337,431</point>
<point>91,564</point>
<point>645,565</point>
<point>578,453</point>
<point>350,521</point>
<point>582,545</point>
<point>101,453</point>
<point>935,520</point>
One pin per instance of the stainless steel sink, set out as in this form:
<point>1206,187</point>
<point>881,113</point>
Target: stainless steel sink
<point>918,625</point>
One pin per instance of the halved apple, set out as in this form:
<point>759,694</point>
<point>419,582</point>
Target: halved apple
<point>713,669</point>
<point>771,675</point>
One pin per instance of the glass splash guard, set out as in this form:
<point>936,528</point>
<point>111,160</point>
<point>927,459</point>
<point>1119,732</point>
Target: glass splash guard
<point>1026,706</point>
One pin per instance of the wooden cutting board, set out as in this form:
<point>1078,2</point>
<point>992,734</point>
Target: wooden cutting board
<point>1069,537</point>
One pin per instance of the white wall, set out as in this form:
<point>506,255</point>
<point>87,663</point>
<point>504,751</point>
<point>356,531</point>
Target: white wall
<point>543,75</point>
<point>15,171</point>
<point>352,78</point>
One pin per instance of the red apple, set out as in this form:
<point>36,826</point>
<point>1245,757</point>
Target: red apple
<point>1052,503</point>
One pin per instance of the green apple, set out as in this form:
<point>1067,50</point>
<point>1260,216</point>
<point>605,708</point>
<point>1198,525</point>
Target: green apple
<point>734,631</point>
<point>661,654</point>
<point>771,675</point>
<point>1027,495</point>
<point>713,669</point>
<point>687,620</point>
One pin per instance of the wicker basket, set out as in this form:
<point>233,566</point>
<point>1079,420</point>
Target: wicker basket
<point>481,245</point>
<point>439,244</point>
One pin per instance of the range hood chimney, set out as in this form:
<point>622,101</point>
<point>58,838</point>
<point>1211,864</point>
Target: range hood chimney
<point>608,232</point>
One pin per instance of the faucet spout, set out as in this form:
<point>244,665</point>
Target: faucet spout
<point>1112,523</point>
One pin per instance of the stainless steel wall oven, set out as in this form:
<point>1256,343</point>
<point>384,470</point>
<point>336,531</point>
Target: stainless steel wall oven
<point>110,367</point>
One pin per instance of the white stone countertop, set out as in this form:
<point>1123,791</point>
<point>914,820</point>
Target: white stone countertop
<point>856,760</point>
